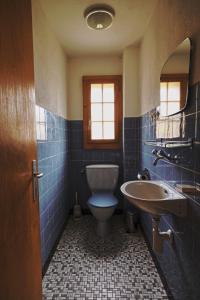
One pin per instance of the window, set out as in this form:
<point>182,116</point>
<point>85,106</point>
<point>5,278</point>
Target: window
<point>173,90</point>
<point>41,123</point>
<point>102,111</point>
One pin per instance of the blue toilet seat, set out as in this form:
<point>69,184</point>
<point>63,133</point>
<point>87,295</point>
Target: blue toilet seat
<point>102,200</point>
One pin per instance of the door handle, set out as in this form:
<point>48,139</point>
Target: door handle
<point>36,175</point>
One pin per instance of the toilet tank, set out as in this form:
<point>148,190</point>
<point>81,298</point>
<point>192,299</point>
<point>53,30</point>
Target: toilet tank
<point>102,177</point>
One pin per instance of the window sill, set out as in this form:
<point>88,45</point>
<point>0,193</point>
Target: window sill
<point>102,146</point>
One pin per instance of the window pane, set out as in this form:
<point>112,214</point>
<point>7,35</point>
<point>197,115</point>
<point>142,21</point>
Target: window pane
<point>176,127</point>
<point>173,107</point>
<point>163,108</point>
<point>96,112</point>
<point>96,92</point>
<point>163,91</point>
<point>43,132</point>
<point>108,92</point>
<point>108,112</point>
<point>37,113</point>
<point>109,130</point>
<point>96,131</point>
<point>42,115</point>
<point>38,131</point>
<point>174,91</point>
<point>161,129</point>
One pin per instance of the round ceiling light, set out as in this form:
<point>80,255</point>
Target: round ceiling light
<point>99,17</point>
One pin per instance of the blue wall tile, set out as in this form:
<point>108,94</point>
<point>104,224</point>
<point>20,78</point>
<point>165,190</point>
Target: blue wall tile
<point>180,263</point>
<point>53,155</point>
<point>131,147</point>
<point>80,157</point>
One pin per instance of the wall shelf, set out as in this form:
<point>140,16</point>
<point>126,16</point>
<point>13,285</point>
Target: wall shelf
<point>170,144</point>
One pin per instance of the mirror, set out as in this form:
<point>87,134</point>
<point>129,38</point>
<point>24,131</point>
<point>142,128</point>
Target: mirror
<point>174,80</point>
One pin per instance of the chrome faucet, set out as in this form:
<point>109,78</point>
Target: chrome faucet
<point>161,154</point>
<point>144,175</point>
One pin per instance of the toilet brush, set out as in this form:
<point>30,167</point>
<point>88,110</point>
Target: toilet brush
<point>77,209</point>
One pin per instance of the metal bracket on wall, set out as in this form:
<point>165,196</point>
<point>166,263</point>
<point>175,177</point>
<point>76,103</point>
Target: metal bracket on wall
<point>170,144</point>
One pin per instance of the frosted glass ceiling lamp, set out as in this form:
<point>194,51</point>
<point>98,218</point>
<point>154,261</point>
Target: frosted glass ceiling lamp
<point>99,17</point>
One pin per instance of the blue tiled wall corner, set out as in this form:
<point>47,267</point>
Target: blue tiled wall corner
<point>131,147</point>
<point>53,161</point>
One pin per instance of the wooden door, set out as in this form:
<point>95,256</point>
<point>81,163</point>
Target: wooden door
<point>20,265</point>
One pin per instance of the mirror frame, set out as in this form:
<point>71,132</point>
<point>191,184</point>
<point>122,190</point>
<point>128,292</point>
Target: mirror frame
<point>189,79</point>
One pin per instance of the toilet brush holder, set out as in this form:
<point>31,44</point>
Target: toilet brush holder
<point>77,213</point>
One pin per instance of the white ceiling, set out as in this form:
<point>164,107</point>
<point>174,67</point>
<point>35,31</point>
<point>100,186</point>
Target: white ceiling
<point>67,21</point>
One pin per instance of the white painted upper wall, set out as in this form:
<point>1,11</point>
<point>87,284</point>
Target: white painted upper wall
<point>171,23</point>
<point>50,64</point>
<point>58,78</point>
<point>85,66</point>
<point>131,100</point>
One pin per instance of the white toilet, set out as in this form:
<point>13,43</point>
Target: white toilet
<point>102,180</point>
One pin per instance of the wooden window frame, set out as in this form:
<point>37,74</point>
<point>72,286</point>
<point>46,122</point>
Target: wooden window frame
<point>183,79</point>
<point>102,144</point>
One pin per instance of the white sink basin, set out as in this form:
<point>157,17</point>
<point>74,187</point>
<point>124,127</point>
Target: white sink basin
<point>155,197</point>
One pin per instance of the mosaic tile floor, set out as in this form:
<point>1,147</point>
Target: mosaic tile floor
<point>86,267</point>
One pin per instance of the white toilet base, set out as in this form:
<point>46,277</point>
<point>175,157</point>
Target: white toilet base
<point>103,228</point>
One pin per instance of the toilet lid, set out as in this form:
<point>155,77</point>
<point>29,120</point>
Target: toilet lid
<point>102,200</point>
